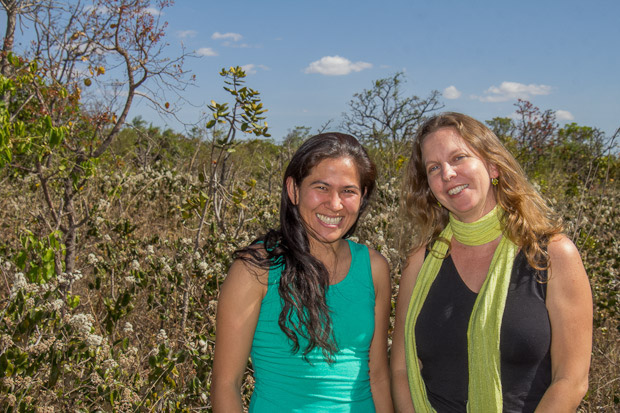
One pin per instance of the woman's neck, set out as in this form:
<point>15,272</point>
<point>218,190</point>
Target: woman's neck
<point>334,256</point>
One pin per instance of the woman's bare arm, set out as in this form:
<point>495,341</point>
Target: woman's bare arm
<point>400,383</point>
<point>569,302</point>
<point>238,308</point>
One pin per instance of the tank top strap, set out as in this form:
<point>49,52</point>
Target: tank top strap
<point>275,273</point>
<point>360,271</point>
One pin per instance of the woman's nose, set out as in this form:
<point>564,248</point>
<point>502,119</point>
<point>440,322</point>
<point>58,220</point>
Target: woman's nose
<point>447,172</point>
<point>335,202</point>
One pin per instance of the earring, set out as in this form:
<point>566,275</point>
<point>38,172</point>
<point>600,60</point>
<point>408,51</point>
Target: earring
<point>494,181</point>
<point>439,203</point>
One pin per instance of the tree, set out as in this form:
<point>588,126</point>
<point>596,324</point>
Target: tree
<point>382,118</point>
<point>82,74</point>
<point>534,130</point>
<point>14,9</point>
<point>294,138</point>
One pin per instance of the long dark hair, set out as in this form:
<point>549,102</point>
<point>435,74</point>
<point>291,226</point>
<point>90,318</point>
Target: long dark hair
<point>305,280</point>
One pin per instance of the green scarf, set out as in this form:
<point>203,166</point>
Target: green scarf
<point>483,332</point>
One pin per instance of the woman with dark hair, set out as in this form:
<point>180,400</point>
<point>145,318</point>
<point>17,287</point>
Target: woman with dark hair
<point>310,307</point>
<point>494,310</point>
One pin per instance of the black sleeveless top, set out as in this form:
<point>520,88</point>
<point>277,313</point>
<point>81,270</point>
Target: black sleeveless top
<point>525,339</point>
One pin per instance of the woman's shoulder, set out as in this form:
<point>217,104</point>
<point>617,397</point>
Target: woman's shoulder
<point>414,262</point>
<point>564,259</point>
<point>378,261</point>
<point>380,271</point>
<point>247,264</point>
<point>561,247</point>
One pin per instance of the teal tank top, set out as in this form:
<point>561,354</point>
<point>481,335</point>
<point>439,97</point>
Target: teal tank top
<point>285,382</point>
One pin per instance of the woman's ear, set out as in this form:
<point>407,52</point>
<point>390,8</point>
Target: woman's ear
<point>291,189</point>
<point>493,171</point>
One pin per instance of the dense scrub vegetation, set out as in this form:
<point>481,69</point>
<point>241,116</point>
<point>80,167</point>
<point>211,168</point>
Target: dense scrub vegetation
<point>115,235</point>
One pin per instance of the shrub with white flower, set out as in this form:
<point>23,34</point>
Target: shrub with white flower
<point>92,259</point>
<point>94,340</point>
<point>128,328</point>
<point>83,323</point>
<point>19,283</point>
<point>162,337</point>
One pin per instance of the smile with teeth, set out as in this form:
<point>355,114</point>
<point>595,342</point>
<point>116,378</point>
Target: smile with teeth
<point>329,220</point>
<point>457,189</point>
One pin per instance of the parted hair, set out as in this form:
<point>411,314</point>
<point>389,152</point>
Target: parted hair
<point>305,280</point>
<point>528,221</point>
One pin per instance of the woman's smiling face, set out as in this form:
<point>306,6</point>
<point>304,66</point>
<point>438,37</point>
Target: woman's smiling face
<point>459,179</point>
<point>328,199</point>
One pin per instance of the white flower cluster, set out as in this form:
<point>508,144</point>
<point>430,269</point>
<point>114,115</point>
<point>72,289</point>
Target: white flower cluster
<point>6,265</point>
<point>19,283</point>
<point>162,337</point>
<point>218,268</point>
<point>103,204</point>
<point>203,267</point>
<point>135,265</point>
<point>83,323</point>
<point>204,346</point>
<point>128,360</point>
<point>92,259</point>
<point>128,328</point>
<point>110,364</point>
<point>66,279</point>
<point>94,340</point>
<point>55,305</point>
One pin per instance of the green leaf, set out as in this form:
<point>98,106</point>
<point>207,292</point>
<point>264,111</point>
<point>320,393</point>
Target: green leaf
<point>56,136</point>
<point>48,122</point>
<point>55,371</point>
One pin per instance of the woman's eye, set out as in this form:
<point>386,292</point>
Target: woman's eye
<point>433,169</point>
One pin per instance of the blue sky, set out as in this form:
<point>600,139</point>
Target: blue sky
<point>308,58</point>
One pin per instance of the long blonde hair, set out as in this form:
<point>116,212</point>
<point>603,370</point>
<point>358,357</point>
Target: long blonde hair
<point>529,222</point>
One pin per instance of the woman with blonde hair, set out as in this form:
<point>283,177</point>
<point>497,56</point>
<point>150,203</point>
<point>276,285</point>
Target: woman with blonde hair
<point>494,311</point>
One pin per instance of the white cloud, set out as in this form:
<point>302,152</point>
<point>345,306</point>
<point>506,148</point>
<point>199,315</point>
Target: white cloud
<point>236,45</point>
<point>564,115</point>
<point>235,37</point>
<point>206,51</point>
<point>251,68</point>
<point>451,92</point>
<point>187,33</point>
<point>513,90</point>
<point>336,66</point>
<point>153,11</point>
